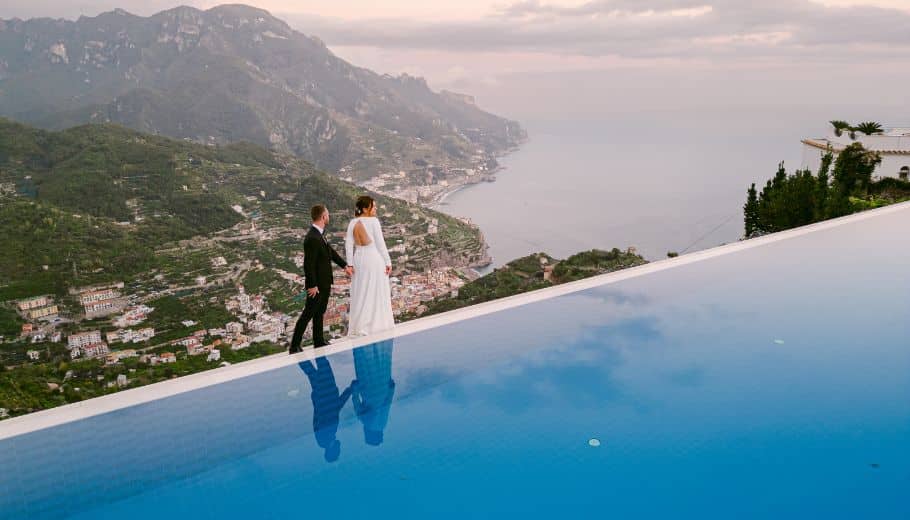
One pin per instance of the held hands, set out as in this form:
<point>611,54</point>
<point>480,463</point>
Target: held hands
<point>349,270</point>
<point>388,270</point>
<point>313,291</point>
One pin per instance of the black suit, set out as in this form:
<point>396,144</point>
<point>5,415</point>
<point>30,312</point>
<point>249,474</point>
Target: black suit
<point>318,256</point>
<point>327,405</point>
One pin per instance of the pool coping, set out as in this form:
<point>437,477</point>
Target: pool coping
<point>52,417</point>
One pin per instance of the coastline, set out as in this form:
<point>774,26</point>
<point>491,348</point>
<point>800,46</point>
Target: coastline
<point>439,198</point>
<point>477,269</point>
<point>434,197</point>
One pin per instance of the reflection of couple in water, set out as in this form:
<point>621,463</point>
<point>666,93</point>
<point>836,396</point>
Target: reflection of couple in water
<point>371,393</point>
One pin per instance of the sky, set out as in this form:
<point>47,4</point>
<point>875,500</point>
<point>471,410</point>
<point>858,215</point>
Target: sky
<point>815,50</point>
<point>346,9</point>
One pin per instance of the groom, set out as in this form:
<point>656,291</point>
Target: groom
<point>318,256</point>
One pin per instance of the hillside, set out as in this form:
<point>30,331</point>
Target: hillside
<point>100,202</point>
<point>235,73</point>
<point>534,272</point>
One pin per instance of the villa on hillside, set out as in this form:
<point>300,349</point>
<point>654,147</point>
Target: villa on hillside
<point>892,144</point>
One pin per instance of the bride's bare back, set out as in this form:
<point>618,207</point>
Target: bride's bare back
<point>361,238</point>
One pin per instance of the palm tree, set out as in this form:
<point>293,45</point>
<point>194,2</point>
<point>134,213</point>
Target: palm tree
<point>840,126</point>
<point>869,128</point>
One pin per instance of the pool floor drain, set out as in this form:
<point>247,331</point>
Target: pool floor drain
<point>594,443</point>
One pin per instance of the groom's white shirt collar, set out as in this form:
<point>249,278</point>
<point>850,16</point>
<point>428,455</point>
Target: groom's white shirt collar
<point>321,231</point>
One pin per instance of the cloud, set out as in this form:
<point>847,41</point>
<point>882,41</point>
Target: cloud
<point>681,29</point>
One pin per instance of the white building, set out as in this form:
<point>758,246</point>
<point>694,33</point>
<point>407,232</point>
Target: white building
<point>234,327</point>
<point>33,303</point>
<point>42,312</point>
<point>133,316</point>
<point>143,335</point>
<point>83,338</point>
<point>240,342</point>
<point>91,350</point>
<point>95,350</point>
<point>98,296</point>
<point>893,145</point>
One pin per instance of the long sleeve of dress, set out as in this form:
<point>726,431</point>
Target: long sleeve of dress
<point>380,243</point>
<point>349,243</point>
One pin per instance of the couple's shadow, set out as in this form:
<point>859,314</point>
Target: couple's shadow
<point>371,393</point>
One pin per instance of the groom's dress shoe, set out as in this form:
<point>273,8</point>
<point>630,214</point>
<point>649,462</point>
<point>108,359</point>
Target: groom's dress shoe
<point>327,343</point>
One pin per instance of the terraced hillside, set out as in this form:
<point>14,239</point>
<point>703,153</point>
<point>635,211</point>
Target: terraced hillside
<point>101,202</point>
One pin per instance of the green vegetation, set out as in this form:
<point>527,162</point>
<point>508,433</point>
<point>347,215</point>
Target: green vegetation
<point>207,310</point>
<point>840,126</point>
<point>282,295</point>
<point>99,203</point>
<point>96,170</point>
<point>534,272</point>
<point>518,276</point>
<point>593,263</point>
<point>30,388</point>
<point>789,201</point>
<point>75,250</point>
<point>868,128</point>
<point>10,323</point>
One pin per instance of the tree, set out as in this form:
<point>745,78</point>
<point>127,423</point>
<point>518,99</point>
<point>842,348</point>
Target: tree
<point>853,169</point>
<point>840,126</point>
<point>822,186</point>
<point>869,128</point>
<point>837,203</point>
<point>751,213</point>
<point>789,201</point>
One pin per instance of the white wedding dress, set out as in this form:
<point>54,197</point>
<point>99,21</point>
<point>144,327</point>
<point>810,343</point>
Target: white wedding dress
<point>371,292</point>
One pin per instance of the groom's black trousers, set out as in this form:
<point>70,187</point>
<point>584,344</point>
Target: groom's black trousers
<point>313,310</point>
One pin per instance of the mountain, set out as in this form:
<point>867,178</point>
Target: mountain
<point>98,203</point>
<point>235,73</point>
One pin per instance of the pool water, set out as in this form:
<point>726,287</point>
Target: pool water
<point>767,383</point>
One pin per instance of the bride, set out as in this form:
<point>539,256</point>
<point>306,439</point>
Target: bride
<point>371,293</point>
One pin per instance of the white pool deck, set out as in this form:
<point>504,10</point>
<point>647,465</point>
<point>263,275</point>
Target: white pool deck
<point>136,396</point>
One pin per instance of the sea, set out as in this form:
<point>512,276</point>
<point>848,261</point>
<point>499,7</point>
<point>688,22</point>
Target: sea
<point>658,181</point>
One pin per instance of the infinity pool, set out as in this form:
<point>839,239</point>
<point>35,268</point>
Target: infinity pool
<point>772,382</point>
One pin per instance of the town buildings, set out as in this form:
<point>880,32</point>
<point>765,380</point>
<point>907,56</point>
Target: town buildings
<point>133,316</point>
<point>90,351</point>
<point>82,339</point>
<point>130,336</point>
<point>87,344</point>
<point>34,303</point>
<point>37,307</point>
<point>100,301</point>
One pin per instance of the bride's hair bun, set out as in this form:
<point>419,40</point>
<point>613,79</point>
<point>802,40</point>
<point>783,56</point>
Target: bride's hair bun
<point>363,203</point>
